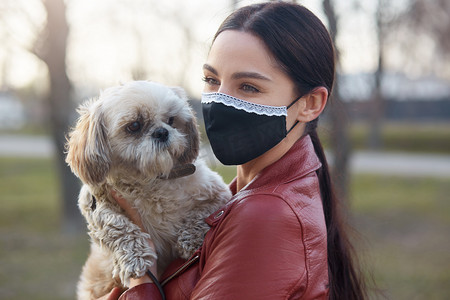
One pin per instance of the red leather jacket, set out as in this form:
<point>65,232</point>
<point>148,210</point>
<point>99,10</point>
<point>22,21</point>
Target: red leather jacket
<point>269,242</point>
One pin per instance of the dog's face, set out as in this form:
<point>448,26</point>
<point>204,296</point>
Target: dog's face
<point>139,128</point>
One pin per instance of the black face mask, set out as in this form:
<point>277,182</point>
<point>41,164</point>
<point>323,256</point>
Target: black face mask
<point>240,131</point>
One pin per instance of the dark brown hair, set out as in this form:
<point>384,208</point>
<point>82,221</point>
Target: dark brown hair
<point>303,48</point>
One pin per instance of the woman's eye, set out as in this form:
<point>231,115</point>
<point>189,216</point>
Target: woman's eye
<point>170,121</point>
<point>249,88</point>
<point>210,81</point>
<point>134,127</point>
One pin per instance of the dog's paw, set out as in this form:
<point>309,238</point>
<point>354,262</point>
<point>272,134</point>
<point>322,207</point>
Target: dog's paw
<point>133,256</point>
<point>190,238</point>
<point>133,265</point>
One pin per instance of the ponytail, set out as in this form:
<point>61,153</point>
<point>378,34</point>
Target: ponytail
<point>344,275</point>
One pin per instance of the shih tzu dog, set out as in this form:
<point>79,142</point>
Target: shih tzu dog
<point>140,140</point>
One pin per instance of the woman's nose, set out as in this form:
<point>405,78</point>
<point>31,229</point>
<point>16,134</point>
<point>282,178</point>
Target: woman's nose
<point>224,90</point>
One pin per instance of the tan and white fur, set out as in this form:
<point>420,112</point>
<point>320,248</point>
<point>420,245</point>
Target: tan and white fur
<point>135,139</point>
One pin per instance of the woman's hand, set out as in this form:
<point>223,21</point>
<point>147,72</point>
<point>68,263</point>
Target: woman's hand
<point>135,217</point>
<point>130,211</point>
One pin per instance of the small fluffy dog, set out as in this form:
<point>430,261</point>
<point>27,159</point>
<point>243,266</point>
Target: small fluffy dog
<point>141,140</point>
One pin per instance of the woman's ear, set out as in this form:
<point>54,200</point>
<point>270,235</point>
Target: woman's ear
<point>311,105</point>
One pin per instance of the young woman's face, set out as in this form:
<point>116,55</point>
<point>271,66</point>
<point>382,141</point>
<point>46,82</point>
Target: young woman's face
<point>240,65</point>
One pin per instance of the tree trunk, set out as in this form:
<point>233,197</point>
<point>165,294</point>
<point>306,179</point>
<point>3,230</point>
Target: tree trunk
<point>340,145</point>
<point>377,103</point>
<point>60,108</point>
<point>377,109</point>
<point>339,137</point>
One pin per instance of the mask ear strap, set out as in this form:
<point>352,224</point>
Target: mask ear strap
<point>292,127</point>
<point>293,102</point>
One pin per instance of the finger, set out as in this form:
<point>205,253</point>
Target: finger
<point>130,211</point>
<point>123,203</point>
<point>114,294</point>
<point>120,200</point>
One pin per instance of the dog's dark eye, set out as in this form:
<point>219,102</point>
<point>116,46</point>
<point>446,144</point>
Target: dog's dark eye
<point>170,121</point>
<point>134,127</point>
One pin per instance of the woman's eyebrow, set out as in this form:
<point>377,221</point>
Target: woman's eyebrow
<point>210,68</point>
<point>254,75</point>
<point>238,75</point>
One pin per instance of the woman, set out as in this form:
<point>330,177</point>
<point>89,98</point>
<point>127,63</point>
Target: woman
<point>267,78</point>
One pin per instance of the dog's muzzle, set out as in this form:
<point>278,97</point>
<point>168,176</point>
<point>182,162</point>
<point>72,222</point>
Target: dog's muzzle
<point>161,134</point>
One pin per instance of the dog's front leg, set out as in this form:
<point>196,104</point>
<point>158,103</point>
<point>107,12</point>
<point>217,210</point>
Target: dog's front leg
<point>191,234</point>
<point>110,228</point>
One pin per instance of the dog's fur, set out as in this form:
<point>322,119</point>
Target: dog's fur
<point>108,150</point>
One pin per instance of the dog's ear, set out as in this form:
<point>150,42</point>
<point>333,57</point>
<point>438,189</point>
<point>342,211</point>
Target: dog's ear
<point>88,152</point>
<point>193,137</point>
<point>190,129</point>
<point>180,92</point>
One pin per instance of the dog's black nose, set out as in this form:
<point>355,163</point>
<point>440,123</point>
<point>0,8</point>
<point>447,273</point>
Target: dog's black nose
<point>161,134</point>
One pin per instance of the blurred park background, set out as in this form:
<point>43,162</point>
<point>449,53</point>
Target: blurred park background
<point>387,129</point>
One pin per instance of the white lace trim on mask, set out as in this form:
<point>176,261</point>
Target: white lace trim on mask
<point>249,107</point>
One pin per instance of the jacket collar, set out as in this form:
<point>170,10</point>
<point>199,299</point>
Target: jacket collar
<point>299,161</point>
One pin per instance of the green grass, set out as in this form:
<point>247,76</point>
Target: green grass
<point>29,129</point>
<point>31,187</point>
<point>227,172</point>
<point>404,225</point>
<point>37,260</point>
<point>405,137</point>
